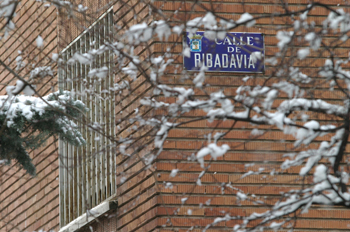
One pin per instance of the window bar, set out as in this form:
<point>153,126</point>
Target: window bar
<point>87,135</point>
<point>102,118</point>
<point>77,154</point>
<point>97,117</point>
<point>91,119</point>
<point>112,124</point>
<point>62,174</point>
<point>70,153</point>
<point>83,131</point>
<point>105,116</point>
<point>109,109</point>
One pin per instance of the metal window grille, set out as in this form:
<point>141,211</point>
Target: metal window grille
<point>87,174</point>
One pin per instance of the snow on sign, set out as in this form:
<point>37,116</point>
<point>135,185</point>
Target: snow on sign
<point>237,52</point>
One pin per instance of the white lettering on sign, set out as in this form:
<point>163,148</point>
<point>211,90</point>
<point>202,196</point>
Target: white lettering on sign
<point>224,61</point>
<point>230,49</point>
<point>249,42</point>
<point>209,60</point>
<point>231,53</point>
<point>217,61</point>
<point>197,59</point>
<point>242,40</point>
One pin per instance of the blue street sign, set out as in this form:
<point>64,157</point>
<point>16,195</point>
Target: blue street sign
<point>237,52</point>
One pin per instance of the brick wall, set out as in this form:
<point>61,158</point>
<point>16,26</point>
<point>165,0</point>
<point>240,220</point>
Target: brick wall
<point>145,204</point>
<point>28,203</point>
<point>32,203</point>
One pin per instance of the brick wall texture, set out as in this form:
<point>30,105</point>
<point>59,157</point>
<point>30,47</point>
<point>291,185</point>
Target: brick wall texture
<point>26,203</point>
<point>145,203</point>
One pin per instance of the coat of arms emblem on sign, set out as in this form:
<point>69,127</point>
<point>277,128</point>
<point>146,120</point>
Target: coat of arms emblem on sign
<point>196,43</point>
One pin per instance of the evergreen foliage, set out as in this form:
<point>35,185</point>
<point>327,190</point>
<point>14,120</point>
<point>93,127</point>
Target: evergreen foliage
<point>27,122</point>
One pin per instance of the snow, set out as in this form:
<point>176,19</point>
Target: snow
<point>287,87</point>
<point>303,16</point>
<point>159,66</point>
<point>217,136</point>
<point>320,173</point>
<point>98,72</point>
<point>212,114</point>
<point>270,97</point>
<point>245,79</point>
<point>310,36</point>
<point>6,8</point>
<point>131,70</point>
<point>239,115</point>
<point>255,56</point>
<point>334,19</point>
<point>192,25</point>
<point>200,77</point>
<point>122,150</point>
<point>277,119</point>
<point>245,17</point>
<point>227,24</point>
<point>162,133</point>
<point>138,27</point>
<point>141,33</point>
<point>189,212</point>
<point>29,90</point>
<point>312,125</point>
<point>255,132</point>
<point>193,104</point>
<point>310,163</point>
<point>123,179</point>
<point>258,90</point>
<point>210,35</point>
<point>307,104</point>
<point>303,53</point>
<point>174,172</point>
<point>298,76</point>
<point>178,29</point>
<point>169,185</point>
<point>186,52</point>
<point>41,72</point>
<point>303,133</point>
<point>152,102</point>
<point>39,42</point>
<point>85,58</point>
<point>284,38</point>
<point>19,62</point>
<point>214,150</point>
<point>82,8</point>
<point>201,154</point>
<point>275,226</point>
<point>327,70</point>
<point>26,106</point>
<point>20,86</point>
<point>209,20</point>
<point>249,173</point>
<point>163,30</point>
<point>241,196</point>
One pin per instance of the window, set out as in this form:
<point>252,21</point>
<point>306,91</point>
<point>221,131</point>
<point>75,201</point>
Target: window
<point>87,173</point>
